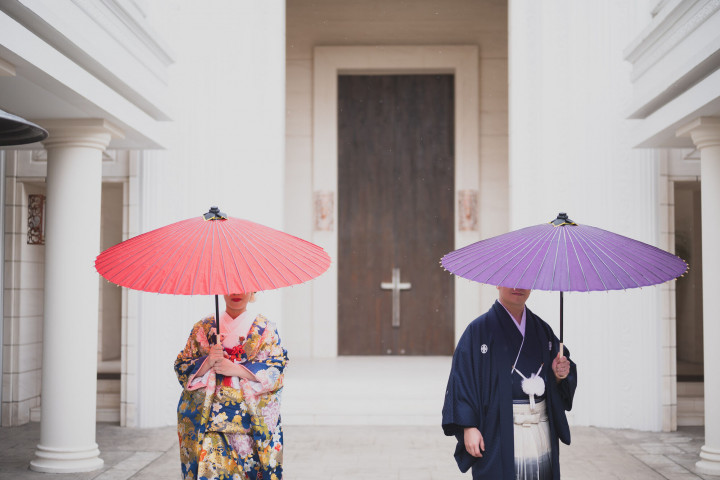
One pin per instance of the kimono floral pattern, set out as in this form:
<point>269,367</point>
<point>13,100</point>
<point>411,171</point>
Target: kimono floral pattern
<point>227,432</point>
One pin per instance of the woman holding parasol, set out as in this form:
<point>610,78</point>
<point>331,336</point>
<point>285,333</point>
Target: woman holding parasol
<point>229,410</point>
<point>236,433</point>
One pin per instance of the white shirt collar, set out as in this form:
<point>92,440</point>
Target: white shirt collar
<point>234,328</point>
<point>520,327</point>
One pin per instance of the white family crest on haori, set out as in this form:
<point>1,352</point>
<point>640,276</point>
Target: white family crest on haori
<point>484,348</point>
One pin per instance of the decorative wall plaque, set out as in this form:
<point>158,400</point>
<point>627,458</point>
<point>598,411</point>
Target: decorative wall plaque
<point>324,205</point>
<point>36,220</point>
<point>467,210</point>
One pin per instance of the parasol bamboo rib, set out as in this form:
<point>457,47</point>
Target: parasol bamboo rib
<point>577,257</point>
<point>612,270</point>
<point>542,263</point>
<point>521,259</point>
<point>282,255</point>
<point>637,277</point>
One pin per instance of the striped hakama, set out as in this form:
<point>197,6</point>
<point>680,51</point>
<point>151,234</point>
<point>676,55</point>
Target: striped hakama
<point>532,442</point>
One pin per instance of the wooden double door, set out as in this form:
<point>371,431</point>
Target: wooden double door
<point>395,214</point>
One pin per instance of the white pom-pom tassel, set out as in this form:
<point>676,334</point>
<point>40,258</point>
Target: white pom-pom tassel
<point>533,386</point>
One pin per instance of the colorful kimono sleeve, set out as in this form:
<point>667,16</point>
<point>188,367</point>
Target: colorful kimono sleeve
<point>191,358</point>
<point>268,363</point>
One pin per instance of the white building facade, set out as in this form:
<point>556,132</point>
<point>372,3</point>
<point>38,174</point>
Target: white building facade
<point>613,110</point>
<point>158,110</point>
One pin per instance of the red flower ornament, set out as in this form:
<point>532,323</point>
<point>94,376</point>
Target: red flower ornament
<point>235,353</point>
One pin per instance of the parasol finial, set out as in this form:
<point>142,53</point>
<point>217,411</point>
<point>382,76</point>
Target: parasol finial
<point>215,214</point>
<point>562,219</point>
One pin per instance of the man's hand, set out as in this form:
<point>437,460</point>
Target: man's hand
<point>561,367</point>
<point>474,442</point>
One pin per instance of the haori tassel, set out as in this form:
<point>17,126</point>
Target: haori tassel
<point>535,385</point>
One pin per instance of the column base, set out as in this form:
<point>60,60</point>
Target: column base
<point>710,461</point>
<point>63,460</point>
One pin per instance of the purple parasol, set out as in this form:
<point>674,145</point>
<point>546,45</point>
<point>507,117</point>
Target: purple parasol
<point>566,257</point>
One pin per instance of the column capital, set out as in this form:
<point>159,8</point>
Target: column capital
<point>79,132</point>
<point>704,131</point>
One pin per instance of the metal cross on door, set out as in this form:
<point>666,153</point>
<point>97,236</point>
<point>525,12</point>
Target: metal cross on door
<point>395,286</point>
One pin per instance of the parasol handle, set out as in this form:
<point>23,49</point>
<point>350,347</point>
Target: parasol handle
<point>217,322</point>
<point>562,348</point>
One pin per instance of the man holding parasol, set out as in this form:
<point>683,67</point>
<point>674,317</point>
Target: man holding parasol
<point>508,391</point>
<point>511,379</point>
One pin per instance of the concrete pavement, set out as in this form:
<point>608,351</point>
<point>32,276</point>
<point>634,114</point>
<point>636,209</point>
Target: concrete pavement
<point>370,452</point>
<point>364,418</point>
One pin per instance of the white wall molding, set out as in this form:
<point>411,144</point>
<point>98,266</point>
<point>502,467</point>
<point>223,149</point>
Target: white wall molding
<point>668,28</point>
<point>109,41</point>
<point>54,86</point>
<point>134,22</point>
<point>7,69</point>
<point>673,53</point>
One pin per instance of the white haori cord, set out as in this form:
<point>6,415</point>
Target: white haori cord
<point>535,385</point>
<point>532,386</point>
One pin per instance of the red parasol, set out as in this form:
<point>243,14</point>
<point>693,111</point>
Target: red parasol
<point>212,255</point>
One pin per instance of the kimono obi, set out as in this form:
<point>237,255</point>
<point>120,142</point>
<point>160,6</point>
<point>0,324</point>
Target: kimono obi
<point>523,415</point>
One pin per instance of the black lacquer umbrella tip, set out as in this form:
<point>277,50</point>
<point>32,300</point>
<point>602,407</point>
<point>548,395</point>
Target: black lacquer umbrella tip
<point>562,219</point>
<point>215,214</point>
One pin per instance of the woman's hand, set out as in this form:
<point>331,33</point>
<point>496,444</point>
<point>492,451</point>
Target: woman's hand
<point>474,442</point>
<point>226,367</point>
<point>561,367</point>
<point>231,369</point>
<point>216,355</point>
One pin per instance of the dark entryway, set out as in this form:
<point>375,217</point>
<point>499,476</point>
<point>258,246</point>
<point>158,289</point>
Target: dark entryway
<point>395,214</point>
<point>688,288</point>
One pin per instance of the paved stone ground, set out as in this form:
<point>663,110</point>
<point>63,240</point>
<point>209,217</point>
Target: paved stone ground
<point>371,452</point>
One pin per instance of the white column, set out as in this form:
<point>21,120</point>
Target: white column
<point>70,324</point>
<point>705,133</point>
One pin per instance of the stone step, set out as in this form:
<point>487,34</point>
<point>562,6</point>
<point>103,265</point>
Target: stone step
<point>351,401</point>
<point>108,386</point>
<point>690,404</point>
<point>111,415</point>
<point>690,389</point>
<point>108,401</point>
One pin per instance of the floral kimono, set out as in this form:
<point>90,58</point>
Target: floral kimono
<point>229,427</point>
